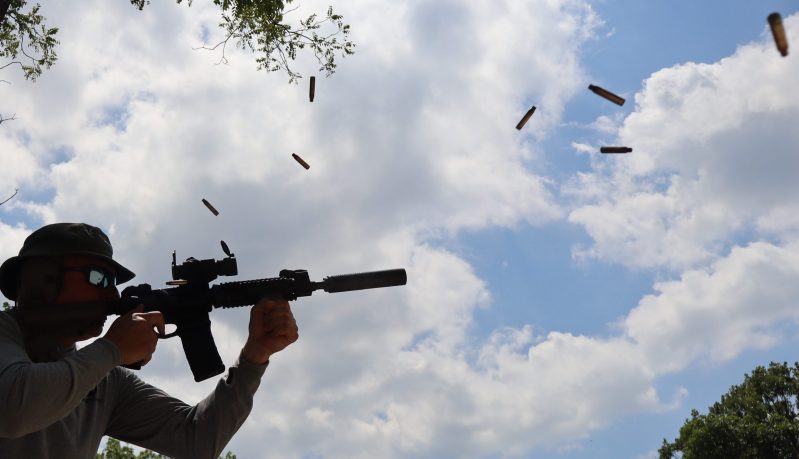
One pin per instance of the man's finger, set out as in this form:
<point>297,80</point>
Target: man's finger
<point>154,319</point>
<point>287,327</point>
<point>277,314</point>
<point>160,330</point>
<point>280,321</point>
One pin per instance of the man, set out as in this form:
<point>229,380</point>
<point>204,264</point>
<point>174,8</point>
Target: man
<point>58,402</point>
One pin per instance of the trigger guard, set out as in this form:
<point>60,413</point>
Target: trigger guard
<point>166,335</point>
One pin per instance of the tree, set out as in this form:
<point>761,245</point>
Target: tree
<point>756,419</point>
<point>25,39</point>
<point>114,449</point>
<point>254,25</point>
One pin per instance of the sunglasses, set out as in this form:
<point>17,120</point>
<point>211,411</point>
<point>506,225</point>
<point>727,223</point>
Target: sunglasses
<point>99,277</point>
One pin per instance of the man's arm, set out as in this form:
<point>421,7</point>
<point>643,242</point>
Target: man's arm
<point>35,395</point>
<point>148,417</point>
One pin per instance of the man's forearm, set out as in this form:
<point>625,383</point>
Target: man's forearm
<point>35,395</point>
<point>157,421</point>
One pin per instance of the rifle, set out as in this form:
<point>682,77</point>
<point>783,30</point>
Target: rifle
<point>187,303</point>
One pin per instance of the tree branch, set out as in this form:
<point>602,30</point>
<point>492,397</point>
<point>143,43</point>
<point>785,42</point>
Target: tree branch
<point>12,62</point>
<point>15,193</point>
<point>285,62</point>
<point>223,43</point>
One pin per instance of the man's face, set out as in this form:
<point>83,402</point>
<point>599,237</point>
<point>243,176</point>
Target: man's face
<point>53,287</point>
<point>82,280</point>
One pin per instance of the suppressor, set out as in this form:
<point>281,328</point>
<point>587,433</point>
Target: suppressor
<point>312,88</point>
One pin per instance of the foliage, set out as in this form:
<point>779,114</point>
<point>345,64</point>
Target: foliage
<point>258,26</point>
<point>6,306</point>
<point>254,25</point>
<point>114,449</point>
<point>756,419</point>
<point>26,40</point>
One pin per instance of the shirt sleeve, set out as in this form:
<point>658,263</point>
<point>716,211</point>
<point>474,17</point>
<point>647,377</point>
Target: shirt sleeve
<point>148,417</point>
<point>36,395</point>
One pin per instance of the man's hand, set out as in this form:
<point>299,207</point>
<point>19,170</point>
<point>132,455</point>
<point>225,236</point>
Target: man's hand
<point>272,328</point>
<point>134,335</point>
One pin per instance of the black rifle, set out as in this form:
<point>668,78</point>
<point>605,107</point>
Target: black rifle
<point>188,302</point>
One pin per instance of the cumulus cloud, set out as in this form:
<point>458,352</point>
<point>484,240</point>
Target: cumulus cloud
<point>714,314</point>
<point>714,156</point>
<point>607,125</point>
<point>411,139</point>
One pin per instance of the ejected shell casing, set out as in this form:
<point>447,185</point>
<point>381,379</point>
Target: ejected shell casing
<point>601,92</point>
<point>299,160</point>
<point>178,282</point>
<point>775,21</point>
<point>312,88</point>
<point>616,150</point>
<point>210,207</point>
<point>526,117</point>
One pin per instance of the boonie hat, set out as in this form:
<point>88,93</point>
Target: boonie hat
<point>56,240</point>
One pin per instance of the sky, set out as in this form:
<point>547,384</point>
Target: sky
<point>560,303</point>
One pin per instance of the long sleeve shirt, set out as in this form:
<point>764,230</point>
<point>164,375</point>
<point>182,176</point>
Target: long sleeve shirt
<point>63,409</point>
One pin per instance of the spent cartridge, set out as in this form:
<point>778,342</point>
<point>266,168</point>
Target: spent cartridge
<point>300,160</point>
<point>775,22</point>
<point>616,150</point>
<point>210,207</point>
<point>526,117</point>
<point>604,93</point>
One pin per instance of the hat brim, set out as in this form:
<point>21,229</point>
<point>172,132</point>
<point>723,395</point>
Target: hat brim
<point>9,271</point>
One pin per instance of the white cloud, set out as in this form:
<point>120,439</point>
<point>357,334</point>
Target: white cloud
<point>583,148</point>
<point>607,125</point>
<point>412,138</point>
<point>713,153</point>
<point>737,304</point>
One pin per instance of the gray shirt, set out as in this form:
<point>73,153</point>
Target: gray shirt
<point>63,409</point>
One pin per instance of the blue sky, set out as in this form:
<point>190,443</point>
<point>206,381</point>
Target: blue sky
<point>560,303</point>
